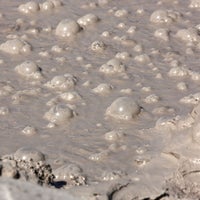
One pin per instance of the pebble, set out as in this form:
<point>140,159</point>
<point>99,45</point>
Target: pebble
<point>67,28</point>
<point>15,46</point>
<point>123,108</point>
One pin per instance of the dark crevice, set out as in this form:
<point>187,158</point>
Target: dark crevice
<point>110,195</point>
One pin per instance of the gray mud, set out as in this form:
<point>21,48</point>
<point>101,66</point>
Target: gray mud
<point>100,98</point>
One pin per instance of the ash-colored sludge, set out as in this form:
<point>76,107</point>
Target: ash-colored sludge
<point>108,90</point>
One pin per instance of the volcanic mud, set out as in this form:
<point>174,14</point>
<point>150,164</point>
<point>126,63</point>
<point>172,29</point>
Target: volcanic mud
<point>100,99</point>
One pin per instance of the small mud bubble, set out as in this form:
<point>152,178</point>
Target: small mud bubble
<point>29,130</point>
<point>113,66</point>
<point>15,46</point>
<point>103,89</point>
<point>114,135</point>
<point>67,28</point>
<point>59,114</point>
<point>123,108</point>
<point>163,16</point>
<point>62,82</point>
<point>28,154</point>
<point>29,7</point>
<point>29,69</point>
<point>87,20</point>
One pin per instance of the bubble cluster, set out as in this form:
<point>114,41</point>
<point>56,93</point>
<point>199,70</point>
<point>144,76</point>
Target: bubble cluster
<point>123,108</point>
<point>178,72</point>
<point>15,46</point>
<point>98,46</point>
<point>67,28</point>
<point>113,66</point>
<point>194,4</point>
<point>153,98</point>
<point>191,99</point>
<point>29,69</point>
<point>32,7</point>
<point>188,35</point>
<point>62,82</point>
<point>59,114</point>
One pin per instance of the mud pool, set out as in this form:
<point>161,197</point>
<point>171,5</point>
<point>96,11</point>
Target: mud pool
<point>101,97</point>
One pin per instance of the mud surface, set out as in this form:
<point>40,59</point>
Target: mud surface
<point>101,98</point>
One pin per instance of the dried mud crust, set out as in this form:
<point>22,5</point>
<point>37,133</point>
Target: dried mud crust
<point>29,170</point>
<point>185,183</point>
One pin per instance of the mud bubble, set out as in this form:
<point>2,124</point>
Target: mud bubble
<point>29,69</point>
<point>67,28</point>
<point>15,46</point>
<point>123,108</point>
<point>59,114</point>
